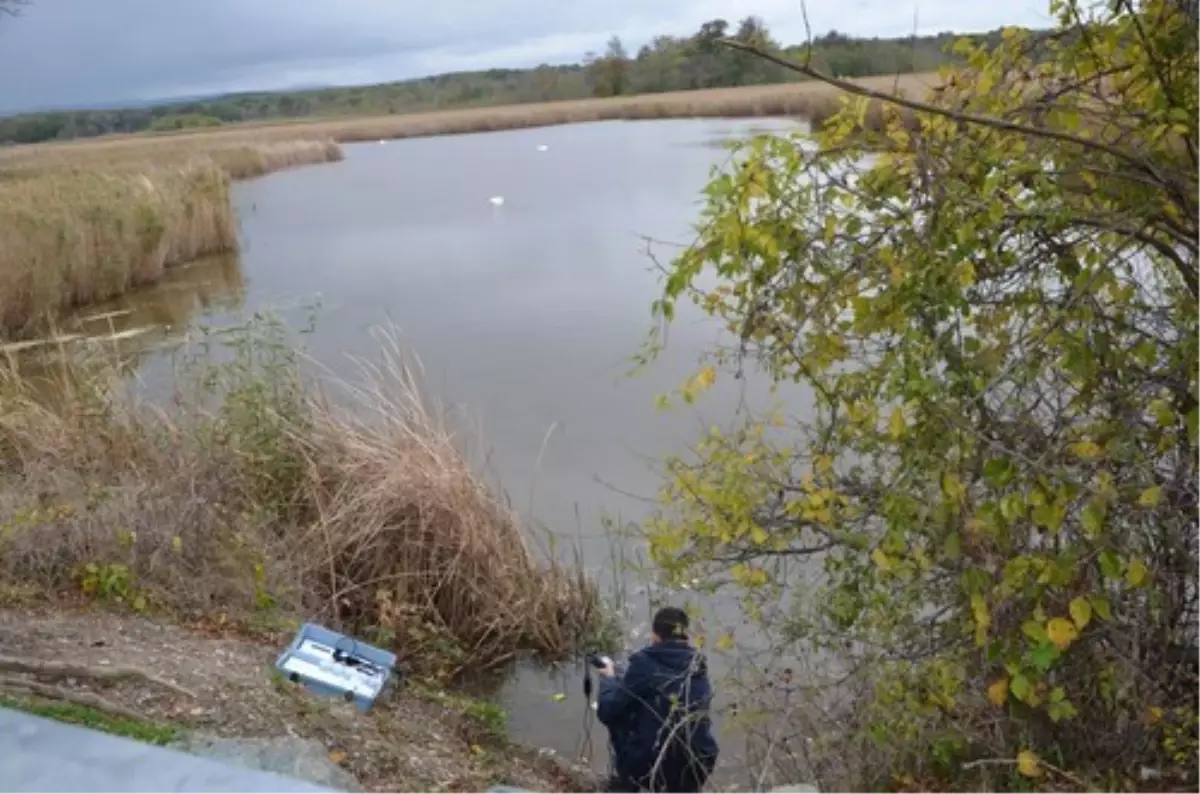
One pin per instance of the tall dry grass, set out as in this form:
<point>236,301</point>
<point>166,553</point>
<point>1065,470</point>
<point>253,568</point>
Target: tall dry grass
<point>806,100</point>
<point>76,232</point>
<point>74,237</point>
<point>254,497</point>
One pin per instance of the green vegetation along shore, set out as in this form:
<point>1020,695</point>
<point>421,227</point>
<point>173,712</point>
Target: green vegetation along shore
<point>983,524</point>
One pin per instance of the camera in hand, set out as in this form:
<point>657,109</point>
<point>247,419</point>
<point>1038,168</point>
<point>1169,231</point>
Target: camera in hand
<point>599,661</point>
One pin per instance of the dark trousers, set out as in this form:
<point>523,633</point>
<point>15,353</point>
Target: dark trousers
<point>686,778</point>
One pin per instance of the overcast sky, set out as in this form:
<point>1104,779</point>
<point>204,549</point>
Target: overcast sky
<point>73,52</point>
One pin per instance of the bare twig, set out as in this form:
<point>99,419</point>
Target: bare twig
<point>966,118</point>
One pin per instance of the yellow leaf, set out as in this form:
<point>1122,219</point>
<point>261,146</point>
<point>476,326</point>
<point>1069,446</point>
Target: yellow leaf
<point>983,618</point>
<point>1061,632</point>
<point>923,561</point>
<point>337,756</point>
<point>1081,612</point>
<point>177,544</point>
<point>830,227</point>
<point>966,275</point>
<point>952,486</point>
<point>881,559</point>
<point>1087,450</point>
<point>896,425</point>
<point>706,377</point>
<point>724,642</point>
<point>1135,575</point>
<point>1027,764</point>
<point>997,692</point>
<point>1153,715</point>
<point>1150,497</point>
<point>476,750</point>
<point>558,697</point>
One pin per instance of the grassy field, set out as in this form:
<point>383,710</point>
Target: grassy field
<point>85,221</point>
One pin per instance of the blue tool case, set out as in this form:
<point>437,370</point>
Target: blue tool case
<point>328,663</point>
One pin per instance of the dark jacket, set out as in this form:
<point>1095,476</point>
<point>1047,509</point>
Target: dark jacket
<point>661,703</point>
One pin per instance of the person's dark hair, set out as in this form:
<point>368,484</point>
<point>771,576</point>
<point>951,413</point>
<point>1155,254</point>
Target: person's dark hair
<point>670,623</point>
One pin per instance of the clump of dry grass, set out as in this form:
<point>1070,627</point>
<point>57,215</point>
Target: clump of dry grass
<point>75,233</point>
<point>256,159</point>
<point>73,237</point>
<point>245,152</point>
<point>254,498</point>
<point>410,536</point>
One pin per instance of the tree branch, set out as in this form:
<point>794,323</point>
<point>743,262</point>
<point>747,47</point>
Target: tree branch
<point>965,118</point>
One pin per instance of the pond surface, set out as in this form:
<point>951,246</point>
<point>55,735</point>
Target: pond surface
<point>526,312</point>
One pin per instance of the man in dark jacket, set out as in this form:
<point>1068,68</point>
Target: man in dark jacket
<point>657,713</point>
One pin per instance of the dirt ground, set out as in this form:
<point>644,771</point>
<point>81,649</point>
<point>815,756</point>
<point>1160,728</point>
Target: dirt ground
<point>407,742</point>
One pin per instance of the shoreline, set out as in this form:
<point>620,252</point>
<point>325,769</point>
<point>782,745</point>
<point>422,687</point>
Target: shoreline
<point>420,735</point>
<point>808,99</point>
<point>91,219</point>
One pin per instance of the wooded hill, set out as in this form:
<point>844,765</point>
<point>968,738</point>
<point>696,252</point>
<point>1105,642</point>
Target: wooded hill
<point>667,63</point>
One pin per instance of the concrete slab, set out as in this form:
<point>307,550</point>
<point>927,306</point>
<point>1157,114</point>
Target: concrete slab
<point>37,754</point>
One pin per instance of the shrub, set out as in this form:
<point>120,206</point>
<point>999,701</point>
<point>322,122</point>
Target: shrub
<point>995,320</point>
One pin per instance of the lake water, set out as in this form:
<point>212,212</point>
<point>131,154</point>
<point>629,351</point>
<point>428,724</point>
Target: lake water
<point>526,313</point>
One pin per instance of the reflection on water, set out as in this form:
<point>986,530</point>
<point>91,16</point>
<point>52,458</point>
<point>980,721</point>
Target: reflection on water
<point>208,286</point>
<point>723,138</point>
<point>131,328</point>
<point>526,312</point>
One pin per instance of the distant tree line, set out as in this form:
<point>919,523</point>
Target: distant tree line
<point>667,63</point>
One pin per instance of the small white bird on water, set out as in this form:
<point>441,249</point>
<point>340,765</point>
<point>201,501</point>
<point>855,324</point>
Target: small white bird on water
<point>497,201</point>
<point>542,147</point>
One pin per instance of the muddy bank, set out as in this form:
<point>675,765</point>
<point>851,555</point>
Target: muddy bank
<point>217,695</point>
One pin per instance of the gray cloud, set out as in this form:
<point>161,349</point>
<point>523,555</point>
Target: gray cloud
<point>72,52</point>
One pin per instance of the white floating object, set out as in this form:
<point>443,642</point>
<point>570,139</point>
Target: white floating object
<point>497,201</point>
<point>542,147</point>
<point>382,142</point>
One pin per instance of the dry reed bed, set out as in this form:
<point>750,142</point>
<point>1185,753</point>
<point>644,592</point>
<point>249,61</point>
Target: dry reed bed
<point>804,100</point>
<point>73,233</point>
<point>76,237</point>
<point>252,498</point>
